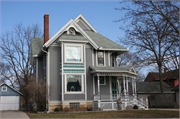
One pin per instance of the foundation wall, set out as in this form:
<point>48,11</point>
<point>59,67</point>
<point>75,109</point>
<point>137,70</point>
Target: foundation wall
<point>65,106</point>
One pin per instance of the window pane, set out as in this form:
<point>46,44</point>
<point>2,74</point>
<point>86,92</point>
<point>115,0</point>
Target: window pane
<point>73,53</point>
<point>100,58</point>
<point>101,80</point>
<point>74,83</point>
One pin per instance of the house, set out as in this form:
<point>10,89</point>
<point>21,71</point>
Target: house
<point>147,90</point>
<point>80,67</point>
<point>9,98</point>
<point>170,77</point>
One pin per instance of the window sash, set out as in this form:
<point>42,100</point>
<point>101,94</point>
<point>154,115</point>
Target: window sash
<point>100,55</point>
<point>74,83</point>
<point>73,53</point>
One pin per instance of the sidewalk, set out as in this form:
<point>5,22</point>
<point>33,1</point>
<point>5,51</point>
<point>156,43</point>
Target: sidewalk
<point>13,115</point>
<point>171,109</point>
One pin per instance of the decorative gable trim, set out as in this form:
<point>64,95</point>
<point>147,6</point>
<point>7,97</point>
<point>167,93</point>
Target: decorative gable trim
<point>132,70</point>
<point>89,25</point>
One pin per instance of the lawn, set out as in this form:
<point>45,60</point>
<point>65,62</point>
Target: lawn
<point>110,114</point>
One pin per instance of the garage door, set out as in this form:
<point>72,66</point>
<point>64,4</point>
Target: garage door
<point>9,102</point>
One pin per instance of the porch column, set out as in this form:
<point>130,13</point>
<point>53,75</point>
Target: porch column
<point>98,84</point>
<point>133,85</point>
<point>99,101</point>
<point>124,85</point>
<point>118,87</point>
<point>127,92</point>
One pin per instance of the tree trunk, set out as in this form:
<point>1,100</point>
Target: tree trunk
<point>161,80</point>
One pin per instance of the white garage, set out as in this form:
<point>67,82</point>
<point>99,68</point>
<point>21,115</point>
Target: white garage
<point>9,98</point>
<point>9,102</point>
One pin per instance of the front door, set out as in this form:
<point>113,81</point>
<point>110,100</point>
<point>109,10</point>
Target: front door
<point>114,88</point>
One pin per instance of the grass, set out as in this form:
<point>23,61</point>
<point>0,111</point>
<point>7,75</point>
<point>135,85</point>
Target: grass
<point>110,114</point>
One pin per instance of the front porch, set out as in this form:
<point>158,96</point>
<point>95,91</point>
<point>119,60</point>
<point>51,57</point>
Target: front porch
<point>122,84</point>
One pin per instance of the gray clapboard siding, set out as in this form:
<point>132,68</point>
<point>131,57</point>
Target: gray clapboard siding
<point>74,96</point>
<point>89,76</point>
<point>54,73</point>
<point>103,88</point>
<point>106,58</point>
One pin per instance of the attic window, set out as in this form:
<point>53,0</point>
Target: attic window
<point>71,31</point>
<point>4,89</point>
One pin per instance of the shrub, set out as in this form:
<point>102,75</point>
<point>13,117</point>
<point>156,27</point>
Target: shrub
<point>56,110</point>
<point>89,108</point>
<point>135,107</point>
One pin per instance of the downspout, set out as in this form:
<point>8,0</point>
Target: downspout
<point>46,82</point>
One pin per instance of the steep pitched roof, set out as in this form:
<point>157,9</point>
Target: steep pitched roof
<point>11,88</point>
<point>152,87</point>
<point>89,33</point>
<point>104,42</point>
<point>36,45</point>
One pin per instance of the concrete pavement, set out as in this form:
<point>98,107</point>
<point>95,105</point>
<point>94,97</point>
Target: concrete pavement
<point>13,115</point>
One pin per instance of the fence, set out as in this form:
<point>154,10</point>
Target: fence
<point>161,101</point>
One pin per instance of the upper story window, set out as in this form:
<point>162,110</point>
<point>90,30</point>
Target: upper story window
<point>100,55</point>
<point>3,88</point>
<point>74,53</point>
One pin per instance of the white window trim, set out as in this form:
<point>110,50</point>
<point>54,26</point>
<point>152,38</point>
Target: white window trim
<point>79,45</point>
<point>4,87</point>
<point>104,81</point>
<point>82,85</point>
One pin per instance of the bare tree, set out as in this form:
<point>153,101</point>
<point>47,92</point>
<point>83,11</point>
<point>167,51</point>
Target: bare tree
<point>153,32</point>
<point>37,93</point>
<point>132,59</point>
<point>15,54</point>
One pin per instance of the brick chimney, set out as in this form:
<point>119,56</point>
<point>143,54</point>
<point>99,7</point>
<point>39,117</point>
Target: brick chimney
<point>46,28</point>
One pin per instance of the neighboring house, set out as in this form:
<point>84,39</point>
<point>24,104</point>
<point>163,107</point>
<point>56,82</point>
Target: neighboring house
<point>146,89</point>
<point>79,66</point>
<point>9,98</point>
<point>170,77</point>
<point>176,89</point>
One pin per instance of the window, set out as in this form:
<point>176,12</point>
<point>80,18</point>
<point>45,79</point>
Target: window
<point>102,80</point>
<point>74,105</point>
<point>100,58</point>
<point>73,53</point>
<point>74,83</point>
<point>4,89</point>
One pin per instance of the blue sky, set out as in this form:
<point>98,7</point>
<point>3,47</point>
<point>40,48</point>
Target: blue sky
<point>100,14</point>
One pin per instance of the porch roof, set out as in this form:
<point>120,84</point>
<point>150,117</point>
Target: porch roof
<point>108,69</point>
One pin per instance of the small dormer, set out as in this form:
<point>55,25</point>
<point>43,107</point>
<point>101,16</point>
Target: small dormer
<point>71,31</point>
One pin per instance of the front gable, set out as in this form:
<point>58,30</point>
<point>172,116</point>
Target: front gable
<point>9,91</point>
<point>65,28</point>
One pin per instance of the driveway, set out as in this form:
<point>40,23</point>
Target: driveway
<point>13,115</point>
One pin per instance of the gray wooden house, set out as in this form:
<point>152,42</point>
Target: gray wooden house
<point>80,66</point>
